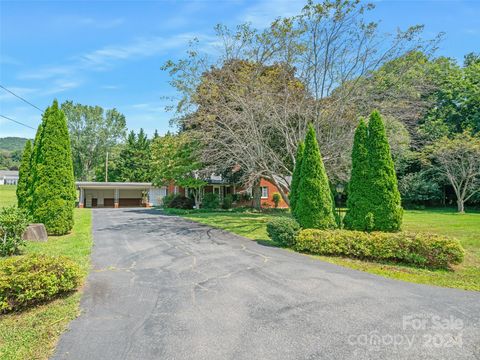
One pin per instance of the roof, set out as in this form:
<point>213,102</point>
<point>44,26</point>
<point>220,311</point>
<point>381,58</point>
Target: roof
<point>13,173</point>
<point>112,185</point>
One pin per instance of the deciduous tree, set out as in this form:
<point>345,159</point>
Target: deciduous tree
<point>175,159</point>
<point>458,161</point>
<point>93,133</point>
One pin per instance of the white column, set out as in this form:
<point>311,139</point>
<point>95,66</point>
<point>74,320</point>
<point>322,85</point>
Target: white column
<point>116,198</point>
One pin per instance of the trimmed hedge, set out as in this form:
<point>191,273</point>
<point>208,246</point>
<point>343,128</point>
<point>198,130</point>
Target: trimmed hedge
<point>32,279</point>
<point>426,250</point>
<point>283,230</point>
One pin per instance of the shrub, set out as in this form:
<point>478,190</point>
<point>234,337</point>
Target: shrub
<point>167,200</point>
<point>227,202</point>
<point>314,201</point>
<point>32,279</point>
<point>13,223</point>
<point>211,201</point>
<point>181,202</point>
<point>426,250</point>
<point>283,230</point>
<point>276,199</point>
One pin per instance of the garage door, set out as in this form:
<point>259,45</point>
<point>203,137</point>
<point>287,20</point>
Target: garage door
<point>130,202</point>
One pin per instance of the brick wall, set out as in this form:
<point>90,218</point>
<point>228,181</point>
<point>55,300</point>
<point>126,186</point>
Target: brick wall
<point>268,202</point>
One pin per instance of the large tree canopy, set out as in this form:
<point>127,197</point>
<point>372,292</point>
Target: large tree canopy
<point>252,103</point>
<point>93,133</point>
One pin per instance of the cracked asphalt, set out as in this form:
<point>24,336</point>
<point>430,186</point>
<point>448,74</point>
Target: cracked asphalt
<point>162,287</point>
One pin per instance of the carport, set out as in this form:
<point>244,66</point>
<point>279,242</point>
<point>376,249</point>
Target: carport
<point>116,194</point>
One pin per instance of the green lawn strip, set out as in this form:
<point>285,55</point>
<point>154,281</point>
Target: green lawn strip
<point>464,227</point>
<point>7,195</point>
<point>33,333</point>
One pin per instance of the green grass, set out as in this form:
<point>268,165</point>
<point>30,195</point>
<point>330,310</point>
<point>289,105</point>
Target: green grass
<point>464,227</point>
<point>33,333</point>
<point>7,195</point>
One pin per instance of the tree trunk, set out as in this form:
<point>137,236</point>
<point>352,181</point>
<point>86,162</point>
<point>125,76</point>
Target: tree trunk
<point>460,206</point>
<point>257,195</point>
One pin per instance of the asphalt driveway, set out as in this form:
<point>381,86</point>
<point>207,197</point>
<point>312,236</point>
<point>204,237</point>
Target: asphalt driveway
<point>166,288</point>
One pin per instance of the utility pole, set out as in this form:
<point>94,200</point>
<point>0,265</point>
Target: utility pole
<point>106,168</point>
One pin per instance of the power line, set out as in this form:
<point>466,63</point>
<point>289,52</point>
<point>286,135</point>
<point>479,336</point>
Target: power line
<point>18,122</point>
<point>21,98</point>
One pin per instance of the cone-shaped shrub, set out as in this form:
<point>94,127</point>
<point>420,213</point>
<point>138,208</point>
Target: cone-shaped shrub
<point>358,202</point>
<point>53,181</point>
<point>24,188</point>
<point>296,177</point>
<point>384,197</point>
<point>314,202</point>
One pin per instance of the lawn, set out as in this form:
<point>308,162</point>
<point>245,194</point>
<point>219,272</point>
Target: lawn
<point>33,333</point>
<point>465,227</point>
<point>7,195</point>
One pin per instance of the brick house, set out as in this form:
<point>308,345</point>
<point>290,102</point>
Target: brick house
<point>131,194</point>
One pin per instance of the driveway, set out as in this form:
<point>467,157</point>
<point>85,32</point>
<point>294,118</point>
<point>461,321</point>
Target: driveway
<point>165,288</point>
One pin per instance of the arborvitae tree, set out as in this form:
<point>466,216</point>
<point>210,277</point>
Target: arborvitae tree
<point>296,177</point>
<point>384,198</point>
<point>53,182</point>
<point>24,191</point>
<point>314,206</point>
<point>359,188</point>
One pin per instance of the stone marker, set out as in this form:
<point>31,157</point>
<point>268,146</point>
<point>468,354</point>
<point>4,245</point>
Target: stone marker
<point>35,232</point>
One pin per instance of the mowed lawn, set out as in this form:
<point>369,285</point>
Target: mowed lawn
<point>7,195</point>
<point>464,227</point>
<point>33,333</point>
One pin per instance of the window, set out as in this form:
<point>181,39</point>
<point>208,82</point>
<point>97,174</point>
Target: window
<point>264,192</point>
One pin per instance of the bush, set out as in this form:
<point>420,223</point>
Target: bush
<point>227,202</point>
<point>426,250</point>
<point>167,200</point>
<point>210,201</point>
<point>276,199</point>
<point>13,223</point>
<point>181,202</point>
<point>283,230</point>
<point>32,279</point>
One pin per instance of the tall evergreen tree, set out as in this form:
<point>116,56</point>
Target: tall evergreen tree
<point>53,181</point>
<point>314,206</point>
<point>359,188</point>
<point>134,162</point>
<point>384,197</point>
<point>296,177</point>
<point>24,189</point>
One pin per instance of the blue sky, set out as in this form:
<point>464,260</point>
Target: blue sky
<point>109,53</point>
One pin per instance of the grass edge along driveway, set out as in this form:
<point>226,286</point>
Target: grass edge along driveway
<point>464,227</point>
<point>33,333</point>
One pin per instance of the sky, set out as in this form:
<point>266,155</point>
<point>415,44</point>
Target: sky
<point>109,53</point>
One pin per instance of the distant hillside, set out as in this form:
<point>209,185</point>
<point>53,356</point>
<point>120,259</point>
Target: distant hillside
<point>12,143</point>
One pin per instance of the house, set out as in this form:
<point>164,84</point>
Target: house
<point>8,177</point>
<point>135,194</point>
